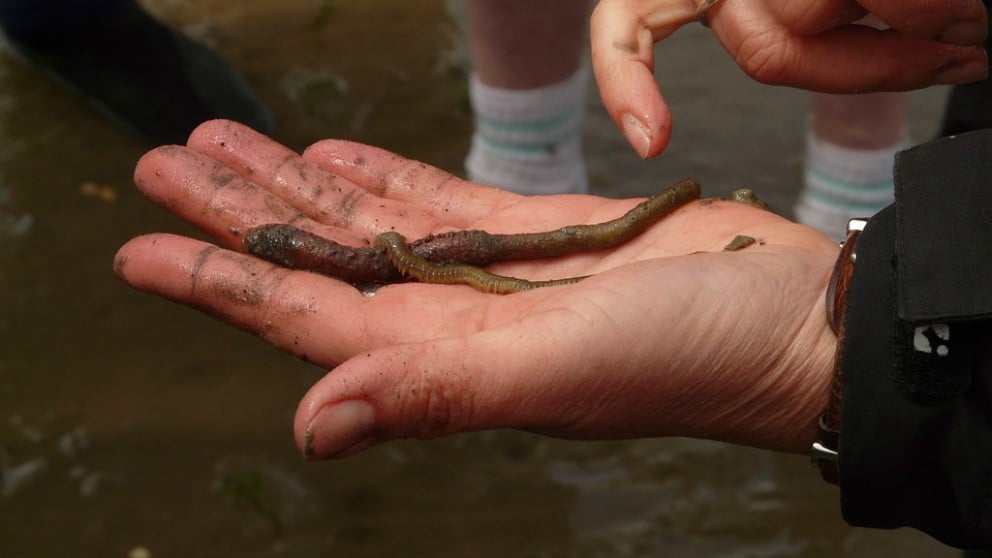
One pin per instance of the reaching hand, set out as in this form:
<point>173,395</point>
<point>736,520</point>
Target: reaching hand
<point>810,44</point>
<point>670,336</point>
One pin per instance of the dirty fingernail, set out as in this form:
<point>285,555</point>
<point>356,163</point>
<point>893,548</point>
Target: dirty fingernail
<point>636,133</point>
<point>967,33</point>
<point>338,428</point>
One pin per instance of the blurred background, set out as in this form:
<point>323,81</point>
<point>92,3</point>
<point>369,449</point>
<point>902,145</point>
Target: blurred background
<point>133,427</point>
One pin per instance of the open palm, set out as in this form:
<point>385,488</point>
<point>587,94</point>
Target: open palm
<point>670,336</point>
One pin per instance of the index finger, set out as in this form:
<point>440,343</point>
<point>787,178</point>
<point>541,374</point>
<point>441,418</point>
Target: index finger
<point>323,198</point>
<point>622,34</point>
<point>451,200</point>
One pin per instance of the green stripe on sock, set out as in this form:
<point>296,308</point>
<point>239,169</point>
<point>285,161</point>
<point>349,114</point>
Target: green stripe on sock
<point>844,185</point>
<point>542,124</point>
<point>851,208</point>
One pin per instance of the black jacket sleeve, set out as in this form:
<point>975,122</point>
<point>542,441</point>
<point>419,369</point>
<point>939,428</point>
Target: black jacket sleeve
<point>916,418</point>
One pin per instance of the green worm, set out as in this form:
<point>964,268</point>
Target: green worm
<point>455,257</point>
<point>411,265</point>
<point>566,240</point>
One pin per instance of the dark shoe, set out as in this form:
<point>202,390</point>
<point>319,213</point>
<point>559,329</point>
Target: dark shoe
<point>141,73</point>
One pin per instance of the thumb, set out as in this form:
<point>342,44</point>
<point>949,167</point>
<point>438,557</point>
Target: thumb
<point>623,34</point>
<point>490,379</point>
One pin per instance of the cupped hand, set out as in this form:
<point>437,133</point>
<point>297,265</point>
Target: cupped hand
<point>670,336</point>
<point>812,44</point>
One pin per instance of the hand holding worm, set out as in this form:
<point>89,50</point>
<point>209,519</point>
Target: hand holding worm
<point>670,335</point>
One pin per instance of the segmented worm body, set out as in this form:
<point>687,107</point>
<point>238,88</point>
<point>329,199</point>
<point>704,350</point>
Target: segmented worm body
<point>457,257</point>
<point>585,238</point>
<point>411,265</point>
<point>296,248</point>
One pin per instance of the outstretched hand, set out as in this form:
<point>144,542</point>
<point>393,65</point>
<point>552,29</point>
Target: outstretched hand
<point>670,336</point>
<point>811,44</point>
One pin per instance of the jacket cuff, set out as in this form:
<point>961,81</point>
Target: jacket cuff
<point>915,445</point>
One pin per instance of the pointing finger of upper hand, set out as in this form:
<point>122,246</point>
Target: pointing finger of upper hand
<point>623,34</point>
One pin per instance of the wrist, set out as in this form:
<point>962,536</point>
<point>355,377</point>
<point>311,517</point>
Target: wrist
<point>817,370</point>
<point>787,420</point>
<point>824,450</point>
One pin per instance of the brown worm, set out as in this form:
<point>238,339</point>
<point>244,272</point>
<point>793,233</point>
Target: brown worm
<point>298,249</point>
<point>411,265</point>
<point>583,238</point>
<point>295,248</point>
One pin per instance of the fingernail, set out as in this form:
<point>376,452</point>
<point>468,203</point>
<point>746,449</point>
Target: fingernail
<point>637,134</point>
<point>338,428</point>
<point>967,33</point>
<point>962,71</point>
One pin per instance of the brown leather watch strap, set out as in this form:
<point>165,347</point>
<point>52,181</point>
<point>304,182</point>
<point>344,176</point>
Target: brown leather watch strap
<point>824,452</point>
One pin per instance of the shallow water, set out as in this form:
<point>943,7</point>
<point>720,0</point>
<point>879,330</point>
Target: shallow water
<point>128,423</point>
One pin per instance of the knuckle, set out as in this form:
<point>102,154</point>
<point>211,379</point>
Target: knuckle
<point>765,59</point>
<point>433,401</point>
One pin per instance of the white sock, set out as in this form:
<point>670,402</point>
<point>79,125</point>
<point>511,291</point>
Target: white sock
<point>529,141</point>
<point>841,183</point>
